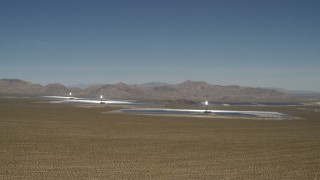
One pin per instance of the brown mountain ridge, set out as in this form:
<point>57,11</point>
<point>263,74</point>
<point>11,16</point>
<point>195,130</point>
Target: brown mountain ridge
<point>189,90</point>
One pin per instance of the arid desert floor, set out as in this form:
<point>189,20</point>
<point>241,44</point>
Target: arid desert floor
<point>39,140</point>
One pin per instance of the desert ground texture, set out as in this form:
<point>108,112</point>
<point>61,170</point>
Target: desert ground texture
<point>39,140</point>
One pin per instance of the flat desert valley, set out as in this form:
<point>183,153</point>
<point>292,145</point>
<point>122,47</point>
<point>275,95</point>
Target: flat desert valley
<point>39,140</point>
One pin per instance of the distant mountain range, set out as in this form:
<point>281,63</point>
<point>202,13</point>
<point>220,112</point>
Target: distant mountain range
<point>153,84</point>
<point>300,93</point>
<point>189,90</point>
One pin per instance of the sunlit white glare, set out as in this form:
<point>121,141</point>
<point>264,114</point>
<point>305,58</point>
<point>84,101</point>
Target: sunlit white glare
<point>70,94</point>
<point>101,97</point>
<point>206,103</point>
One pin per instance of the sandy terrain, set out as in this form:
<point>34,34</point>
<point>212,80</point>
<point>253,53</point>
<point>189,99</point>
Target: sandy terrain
<point>62,141</point>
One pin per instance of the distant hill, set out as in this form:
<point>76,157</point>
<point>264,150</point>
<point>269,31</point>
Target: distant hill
<point>188,90</point>
<point>82,85</point>
<point>19,87</point>
<point>16,86</point>
<point>299,93</point>
<point>153,84</point>
<point>197,90</point>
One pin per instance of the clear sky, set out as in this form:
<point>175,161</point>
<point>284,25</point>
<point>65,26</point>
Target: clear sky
<point>257,43</point>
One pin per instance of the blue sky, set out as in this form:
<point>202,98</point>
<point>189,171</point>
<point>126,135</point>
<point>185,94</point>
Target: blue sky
<point>251,43</point>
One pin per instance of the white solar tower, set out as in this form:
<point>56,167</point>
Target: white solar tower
<point>207,103</point>
<point>101,97</point>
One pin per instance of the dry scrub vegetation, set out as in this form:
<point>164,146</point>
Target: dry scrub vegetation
<point>60,141</point>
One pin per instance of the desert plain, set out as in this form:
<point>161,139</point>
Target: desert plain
<point>40,140</point>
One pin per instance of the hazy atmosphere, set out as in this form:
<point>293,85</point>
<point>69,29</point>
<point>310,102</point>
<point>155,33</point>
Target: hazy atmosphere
<point>159,89</point>
<point>249,43</point>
